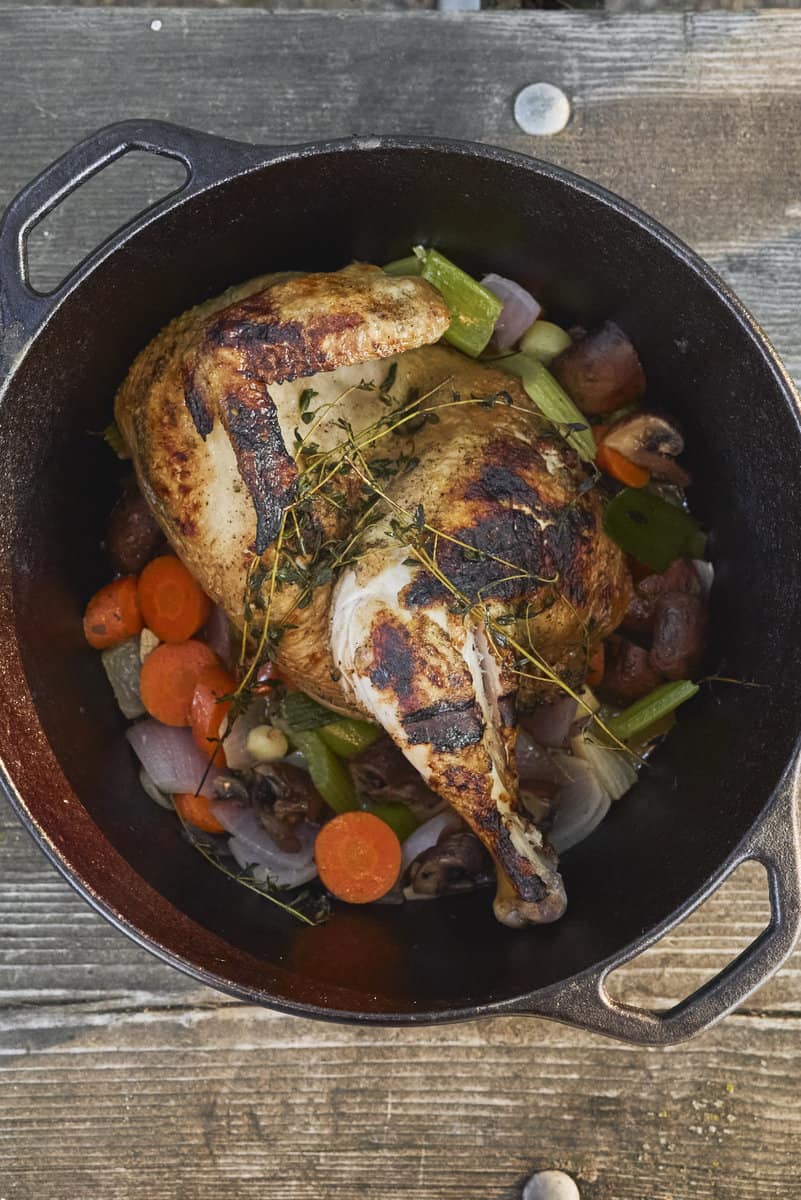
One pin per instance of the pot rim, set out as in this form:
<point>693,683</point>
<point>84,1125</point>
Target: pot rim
<point>240,160</point>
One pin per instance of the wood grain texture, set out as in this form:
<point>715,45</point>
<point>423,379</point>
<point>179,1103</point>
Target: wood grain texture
<point>118,1076</point>
<point>698,133</point>
<point>243,1102</point>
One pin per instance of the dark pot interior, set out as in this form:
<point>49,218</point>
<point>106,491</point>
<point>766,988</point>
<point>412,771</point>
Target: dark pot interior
<point>587,260</point>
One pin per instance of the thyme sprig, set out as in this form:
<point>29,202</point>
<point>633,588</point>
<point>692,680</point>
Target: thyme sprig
<point>306,557</point>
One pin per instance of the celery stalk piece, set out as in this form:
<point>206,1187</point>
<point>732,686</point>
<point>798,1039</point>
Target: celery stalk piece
<point>643,713</point>
<point>473,308</point>
<point>397,816</point>
<point>329,776</point>
<point>300,712</point>
<point>552,401</point>
<point>404,266</point>
<point>349,737</point>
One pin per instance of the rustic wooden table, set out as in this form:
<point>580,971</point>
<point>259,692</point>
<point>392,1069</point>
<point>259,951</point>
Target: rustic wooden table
<point>121,1078</point>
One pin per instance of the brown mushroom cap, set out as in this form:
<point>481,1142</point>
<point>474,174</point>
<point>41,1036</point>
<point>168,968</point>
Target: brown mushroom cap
<point>652,442</point>
<point>457,863</point>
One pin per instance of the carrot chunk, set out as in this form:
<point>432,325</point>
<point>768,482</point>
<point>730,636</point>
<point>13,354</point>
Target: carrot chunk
<point>207,710</point>
<point>112,615</point>
<point>173,604</point>
<point>358,857</point>
<point>613,463</point>
<point>170,674</point>
<point>196,810</point>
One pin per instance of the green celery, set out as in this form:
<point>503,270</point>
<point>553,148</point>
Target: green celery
<point>404,266</point>
<point>349,737</point>
<point>398,817</point>
<point>473,308</point>
<point>650,529</point>
<point>301,712</point>
<point>552,401</point>
<point>328,775</point>
<point>644,713</point>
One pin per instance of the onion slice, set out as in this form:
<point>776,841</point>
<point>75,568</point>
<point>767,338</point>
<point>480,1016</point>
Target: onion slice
<point>520,310</point>
<point>550,724</point>
<point>281,876</point>
<point>427,835</point>
<point>534,764</point>
<point>241,821</point>
<point>579,806</point>
<point>172,759</point>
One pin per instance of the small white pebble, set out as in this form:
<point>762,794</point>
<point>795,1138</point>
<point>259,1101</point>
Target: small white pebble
<point>551,1185</point>
<point>155,25</point>
<point>266,743</point>
<point>147,643</point>
<point>542,109</point>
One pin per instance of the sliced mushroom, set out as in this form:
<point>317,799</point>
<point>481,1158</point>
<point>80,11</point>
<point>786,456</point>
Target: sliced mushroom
<point>283,796</point>
<point>652,442</point>
<point>457,863</point>
<point>382,772</point>
<point>601,371</point>
<point>629,673</point>
<point>679,635</point>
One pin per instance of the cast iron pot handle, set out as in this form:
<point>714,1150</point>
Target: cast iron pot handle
<point>585,1002</point>
<point>206,158</point>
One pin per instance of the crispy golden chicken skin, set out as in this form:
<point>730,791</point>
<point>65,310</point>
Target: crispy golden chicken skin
<point>477,537</point>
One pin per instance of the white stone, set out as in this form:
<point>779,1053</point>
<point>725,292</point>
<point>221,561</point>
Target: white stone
<point>551,1185</point>
<point>542,109</point>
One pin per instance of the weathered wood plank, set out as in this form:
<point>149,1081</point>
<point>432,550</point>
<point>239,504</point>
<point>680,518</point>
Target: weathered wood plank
<point>723,89</point>
<point>196,1104</point>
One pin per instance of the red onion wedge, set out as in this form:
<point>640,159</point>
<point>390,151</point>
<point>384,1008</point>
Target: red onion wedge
<point>172,759</point>
<point>251,845</point>
<point>550,724</point>
<point>520,310</point>
<point>280,876</point>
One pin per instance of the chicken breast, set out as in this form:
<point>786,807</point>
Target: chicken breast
<point>425,544</point>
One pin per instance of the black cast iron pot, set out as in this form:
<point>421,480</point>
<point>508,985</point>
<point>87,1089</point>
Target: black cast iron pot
<point>720,791</point>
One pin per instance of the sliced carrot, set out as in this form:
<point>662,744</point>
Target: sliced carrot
<point>173,604</point>
<point>595,667</point>
<point>619,467</point>
<point>358,857</point>
<point>207,711</point>
<point>169,678</point>
<point>196,810</point>
<point>112,615</point>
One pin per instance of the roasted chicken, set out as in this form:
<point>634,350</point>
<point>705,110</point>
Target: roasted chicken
<point>423,542</point>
